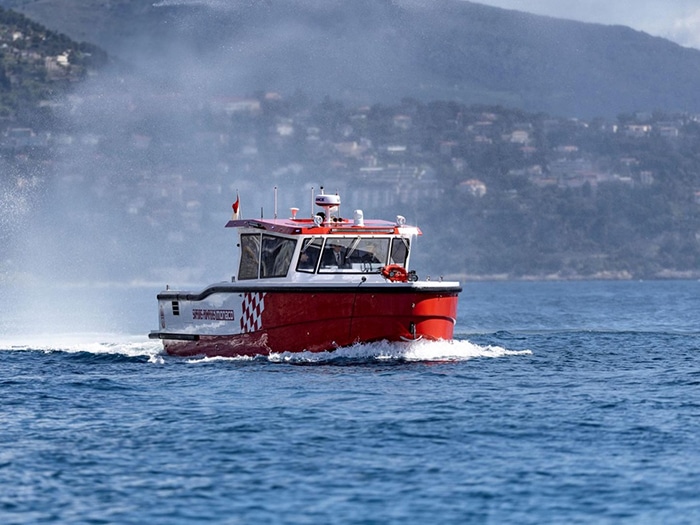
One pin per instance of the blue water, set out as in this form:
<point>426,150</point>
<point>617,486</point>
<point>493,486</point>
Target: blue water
<point>558,403</point>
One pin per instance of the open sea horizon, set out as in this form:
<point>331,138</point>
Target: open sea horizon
<point>557,402</point>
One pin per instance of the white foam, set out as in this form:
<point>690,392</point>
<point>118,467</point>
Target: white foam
<point>382,351</point>
<point>117,344</point>
<point>444,351</point>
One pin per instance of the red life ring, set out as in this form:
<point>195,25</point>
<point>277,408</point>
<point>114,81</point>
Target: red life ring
<point>395,272</point>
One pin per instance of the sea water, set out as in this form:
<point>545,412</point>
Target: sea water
<point>574,402</point>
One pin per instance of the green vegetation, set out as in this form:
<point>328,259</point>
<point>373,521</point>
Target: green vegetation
<point>37,65</point>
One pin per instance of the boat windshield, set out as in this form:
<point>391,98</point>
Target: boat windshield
<point>264,256</point>
<point>354,254</point>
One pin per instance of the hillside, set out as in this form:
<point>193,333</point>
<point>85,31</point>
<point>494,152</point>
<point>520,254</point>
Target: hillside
<point>37,65</point>
<point>381,50</point>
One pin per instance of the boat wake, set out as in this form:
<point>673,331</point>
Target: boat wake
<point>378,352</point>
<point>387,352</point>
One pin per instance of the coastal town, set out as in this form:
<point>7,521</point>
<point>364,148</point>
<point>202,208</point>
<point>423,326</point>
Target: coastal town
<point>86,145</point>
<point>170,164</point>
<point>399,154</point>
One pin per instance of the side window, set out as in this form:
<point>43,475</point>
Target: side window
<point>276,256</point>
<point>399,251</point>
<point>250,255</point>
<point>310,252</point>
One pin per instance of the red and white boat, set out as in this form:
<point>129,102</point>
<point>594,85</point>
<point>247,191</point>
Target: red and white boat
<point>310,284</point>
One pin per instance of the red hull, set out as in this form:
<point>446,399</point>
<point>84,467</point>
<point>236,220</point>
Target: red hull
<point>315,322</point>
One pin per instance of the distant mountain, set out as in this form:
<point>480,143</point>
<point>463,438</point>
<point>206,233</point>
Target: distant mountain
<point>384,50</point>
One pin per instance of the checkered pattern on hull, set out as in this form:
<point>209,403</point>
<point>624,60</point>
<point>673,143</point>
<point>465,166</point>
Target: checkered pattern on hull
<point>252,309</point>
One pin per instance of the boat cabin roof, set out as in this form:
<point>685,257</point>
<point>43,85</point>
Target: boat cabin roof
<point>335,226</point>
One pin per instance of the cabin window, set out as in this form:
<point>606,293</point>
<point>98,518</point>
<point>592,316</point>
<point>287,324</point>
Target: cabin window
<point>276,256</point>
<point>335,255</point>
<point>371,253</point>
<point>354,254</point>
<point>265,256</point>
<point>399,251</point>
<point>250,257</point>
<point>309,255</point>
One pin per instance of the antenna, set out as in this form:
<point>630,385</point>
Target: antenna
<point>275,216</point>
<point>337,194</point>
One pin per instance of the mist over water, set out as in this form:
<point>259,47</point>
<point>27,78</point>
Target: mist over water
<point>95,218</point>
<point>143,168</point>
<point>144,164</point>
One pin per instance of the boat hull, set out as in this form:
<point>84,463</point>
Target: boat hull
<point>231,321</point>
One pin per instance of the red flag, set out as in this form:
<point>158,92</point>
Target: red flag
<point>236,207</point>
